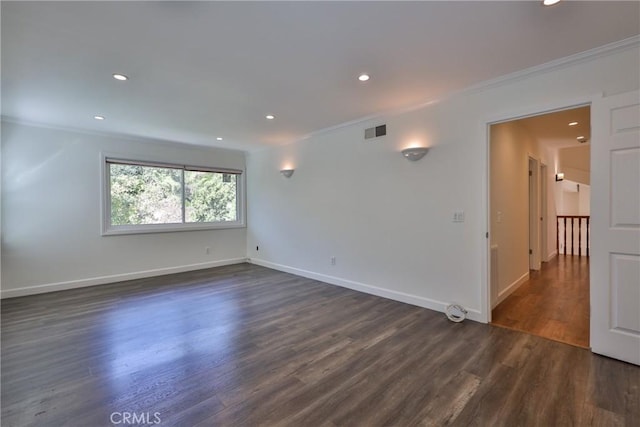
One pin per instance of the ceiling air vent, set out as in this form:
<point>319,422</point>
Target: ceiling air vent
<point>375,132</point>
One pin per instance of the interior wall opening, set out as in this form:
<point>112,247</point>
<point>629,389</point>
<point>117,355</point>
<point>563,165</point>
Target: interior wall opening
<point>539,203</point>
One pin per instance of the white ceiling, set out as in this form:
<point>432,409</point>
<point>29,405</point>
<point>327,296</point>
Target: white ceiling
<point>553,130</point>
<point>199,70</point>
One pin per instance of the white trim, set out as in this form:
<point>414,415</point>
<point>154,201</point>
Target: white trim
<point>370,118</point>
<point>122,136</point>
<point>534,259</point>
<point>552,255</point>
<point>556,64</point>
<point>103,280</point>
<point>511,288</point>
<point>485,276</point>
<point>431,304</point>
<point>168,165</point>
<point>122,230</point>
<point>539,109</point>
<point>544,224</point>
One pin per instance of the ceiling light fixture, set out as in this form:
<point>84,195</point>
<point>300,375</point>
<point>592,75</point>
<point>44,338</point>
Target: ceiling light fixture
<point>573,123</point>
<point>98,117</point>
<point>269,117</point>
<point>363,77</point>
<point>219,138</point>
<point>120,77</point>
<point>580,138</point>
<point>550,2</point>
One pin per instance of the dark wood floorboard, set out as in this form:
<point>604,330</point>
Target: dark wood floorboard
<point>553,303</point>
<point>243,345</point>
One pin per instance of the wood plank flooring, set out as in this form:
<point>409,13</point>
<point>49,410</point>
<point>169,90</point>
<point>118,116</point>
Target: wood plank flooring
<point>553,303</point>
<point>243,345</point>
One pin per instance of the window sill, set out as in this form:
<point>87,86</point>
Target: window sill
<point>168,228</point>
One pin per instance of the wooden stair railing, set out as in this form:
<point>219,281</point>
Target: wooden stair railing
<point>562,219</point>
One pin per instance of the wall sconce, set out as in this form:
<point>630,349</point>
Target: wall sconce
<point>415,153</point>
<point>287,172</point>
<point>559,176</point>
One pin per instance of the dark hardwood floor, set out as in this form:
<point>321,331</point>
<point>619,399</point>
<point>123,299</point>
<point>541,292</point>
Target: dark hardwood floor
<point>553,303</point>
<point>244,345</point>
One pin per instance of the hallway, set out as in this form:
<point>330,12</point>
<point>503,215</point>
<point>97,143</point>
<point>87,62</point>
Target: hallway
<point>553,303</point>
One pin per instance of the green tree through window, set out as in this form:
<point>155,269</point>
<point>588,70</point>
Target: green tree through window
<point>210,197</point>
<point>142,195</point>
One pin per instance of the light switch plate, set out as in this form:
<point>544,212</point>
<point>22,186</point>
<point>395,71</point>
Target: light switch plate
<point>458,216</point>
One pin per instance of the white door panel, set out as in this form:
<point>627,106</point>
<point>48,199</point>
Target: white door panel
<point>615,216</point>
<point>625,206</point>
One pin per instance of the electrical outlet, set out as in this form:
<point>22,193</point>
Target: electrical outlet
<point>333,260</point>
<point>499,217</point>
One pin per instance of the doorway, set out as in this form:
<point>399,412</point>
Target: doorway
<point>537,284</point>
<point>534,214</point>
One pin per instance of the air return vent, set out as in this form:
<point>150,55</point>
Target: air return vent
<point>375,132</point>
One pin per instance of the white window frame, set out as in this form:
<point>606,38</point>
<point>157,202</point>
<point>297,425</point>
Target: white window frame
<point>105,189</point>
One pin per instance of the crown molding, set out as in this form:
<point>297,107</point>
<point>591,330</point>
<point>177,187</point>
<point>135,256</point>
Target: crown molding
<point>557,64</point>
<point>122,136</point>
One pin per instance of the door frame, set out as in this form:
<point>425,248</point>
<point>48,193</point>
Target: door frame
<point>544,225</point>
<point>485,128</point>
<point>533,167</point>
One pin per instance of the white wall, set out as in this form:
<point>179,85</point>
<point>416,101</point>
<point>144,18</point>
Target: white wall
<point>51,213</point>
<point>584,200</point>
<point>570,200</point>
<point>387,220</point>
<point>575,163</point>
<point>552,208</point>
<point>567,197</point>
<point>511,145</point>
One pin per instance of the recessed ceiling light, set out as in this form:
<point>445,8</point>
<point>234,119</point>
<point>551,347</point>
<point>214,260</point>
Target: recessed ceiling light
<point>363,77</point>
<point>219,138</point>
<point>270,117</point>
<point>573,123</point>
<point>120,77</point>
<point>581,138</point>
<point>550,2</point>
<point>98,117</point>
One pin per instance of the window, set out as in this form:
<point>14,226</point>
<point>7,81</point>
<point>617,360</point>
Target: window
<point>146,197</point>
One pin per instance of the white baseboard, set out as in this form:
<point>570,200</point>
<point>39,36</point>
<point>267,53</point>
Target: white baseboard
<point>102,280</point>
<point>552,255</point>
<point>431,304</point>
<point>502,295</point>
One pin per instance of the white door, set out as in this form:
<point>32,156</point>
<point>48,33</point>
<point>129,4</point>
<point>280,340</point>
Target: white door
<point>615,227</point>
<point>534,215</point>
<point>544,250</point>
